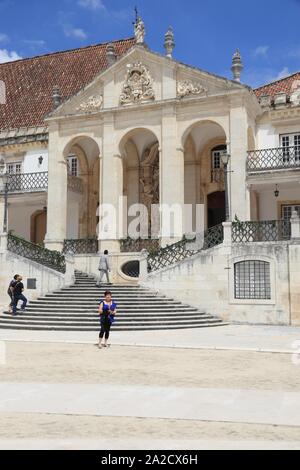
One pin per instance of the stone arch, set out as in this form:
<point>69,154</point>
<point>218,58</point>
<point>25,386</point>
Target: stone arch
<point>139,149</point>
<point>83,191</point>
<point>199,140</point>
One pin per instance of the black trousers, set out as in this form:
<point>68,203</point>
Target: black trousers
<point>105,328</point>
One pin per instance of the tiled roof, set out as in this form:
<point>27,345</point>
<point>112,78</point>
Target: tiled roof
<point>29,82</point>
<point>285,85</point>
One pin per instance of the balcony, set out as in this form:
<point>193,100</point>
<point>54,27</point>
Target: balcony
<point>37,182</point>
<point>282,158</point>
<point>27,182</point>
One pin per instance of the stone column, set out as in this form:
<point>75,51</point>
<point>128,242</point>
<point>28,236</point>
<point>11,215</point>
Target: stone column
<point>295,226</point>
<point>57,193</point>
<point>239,200</point>
<point>2,210</point>
<point>171,177</point>
<point>111,189</point>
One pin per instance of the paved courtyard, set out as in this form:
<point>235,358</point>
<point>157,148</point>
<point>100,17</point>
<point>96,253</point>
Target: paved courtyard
<point>56,394</point>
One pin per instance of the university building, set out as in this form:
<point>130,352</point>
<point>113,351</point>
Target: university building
<point>91,127</point>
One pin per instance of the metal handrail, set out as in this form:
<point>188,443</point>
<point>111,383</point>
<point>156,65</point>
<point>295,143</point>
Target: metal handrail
<point>273,159</point>
<point>37,253</point>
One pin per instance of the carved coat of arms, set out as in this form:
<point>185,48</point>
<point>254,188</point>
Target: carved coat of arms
<point>138,86</point>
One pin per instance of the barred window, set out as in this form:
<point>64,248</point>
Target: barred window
<point>252,280</point>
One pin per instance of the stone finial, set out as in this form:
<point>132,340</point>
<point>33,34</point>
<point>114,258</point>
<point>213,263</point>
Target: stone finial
<point>111,55</point>
<point>237,66</point>
<point>56,96</point>
<point>169,42</point>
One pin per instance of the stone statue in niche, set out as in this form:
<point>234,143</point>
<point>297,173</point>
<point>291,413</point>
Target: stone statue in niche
<point>138,86</point>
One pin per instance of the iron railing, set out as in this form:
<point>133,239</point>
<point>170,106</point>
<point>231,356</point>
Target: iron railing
<point>87,246</point>
<point>136,245</point>
<point>37,253</point>
<point>263,231</point>
<point>180,251</point>
<point>273,159</point>
<point>27,182</point>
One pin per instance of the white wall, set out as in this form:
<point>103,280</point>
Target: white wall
<point>19,218</point>
<point>31,161</point>
<point>268,202</point>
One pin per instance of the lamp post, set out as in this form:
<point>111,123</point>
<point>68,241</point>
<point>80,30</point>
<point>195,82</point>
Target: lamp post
<point>225,157</point>
<point>4,177</point>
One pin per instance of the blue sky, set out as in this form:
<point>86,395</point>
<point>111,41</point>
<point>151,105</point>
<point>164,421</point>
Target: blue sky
<point>207,33</point>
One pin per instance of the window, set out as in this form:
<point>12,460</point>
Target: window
<point>14,168</point>
<point>288,209</point>
<point>290,144</point>
<point>73,165</point>
<point>216,153</point>
<point>252,280</point>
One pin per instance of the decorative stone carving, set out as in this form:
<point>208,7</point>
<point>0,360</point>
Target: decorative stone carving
<point>187,88</point>
<point>138,86</point>
<point>139,31</point>
<point>94,103</point>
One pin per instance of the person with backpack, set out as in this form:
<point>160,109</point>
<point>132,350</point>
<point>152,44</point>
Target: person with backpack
<point>18,295</point>
<point>107,313</point>
<point>10,292</point>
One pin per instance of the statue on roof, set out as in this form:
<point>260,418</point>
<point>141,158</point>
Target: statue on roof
<point>139,29</point>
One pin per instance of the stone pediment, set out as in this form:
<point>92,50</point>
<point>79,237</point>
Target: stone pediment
<point>143,76</point>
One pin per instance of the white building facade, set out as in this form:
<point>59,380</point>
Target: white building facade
<point>150,130</point>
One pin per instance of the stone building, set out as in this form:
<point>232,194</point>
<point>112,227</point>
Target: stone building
<point>81,129</point>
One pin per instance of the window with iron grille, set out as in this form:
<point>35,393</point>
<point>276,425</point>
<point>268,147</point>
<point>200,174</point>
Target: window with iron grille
<point>291,147</point>
<point>252,280</point>
<point>73,165</point>
<point>14,168</point>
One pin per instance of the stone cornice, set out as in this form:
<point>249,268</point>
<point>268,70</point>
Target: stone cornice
<point>24,136</point>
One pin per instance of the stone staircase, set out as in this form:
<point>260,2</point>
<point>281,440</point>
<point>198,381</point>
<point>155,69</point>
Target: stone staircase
<point>75,309</point>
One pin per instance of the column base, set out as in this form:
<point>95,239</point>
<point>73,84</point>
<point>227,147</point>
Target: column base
<point>54,245</point>
<point>112,246</point>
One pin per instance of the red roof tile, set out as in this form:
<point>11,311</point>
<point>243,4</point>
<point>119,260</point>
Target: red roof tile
<point>285,85</point>
<point>29,82</point>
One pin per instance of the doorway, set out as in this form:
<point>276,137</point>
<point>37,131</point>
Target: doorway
<point>216,210</point>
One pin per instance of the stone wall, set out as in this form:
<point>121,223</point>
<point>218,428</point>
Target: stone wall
<point>47,280</point>
<point>206,281</point>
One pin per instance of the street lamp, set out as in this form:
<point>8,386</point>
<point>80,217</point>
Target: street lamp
<point>4,177</point>
<point>225,157</point>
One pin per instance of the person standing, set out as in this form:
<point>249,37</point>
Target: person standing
<point>18,295</point>
<point>10,292</point>
<point>104,267</point>
<point>107,312</point>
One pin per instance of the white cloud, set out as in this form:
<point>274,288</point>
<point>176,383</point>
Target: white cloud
<point>282,74</point>
<point>34,42</point>
<point>92,4</point>
<point>72,32</point>
<point>261,51</point>
<point>4,37</point>
<point>8,56</point>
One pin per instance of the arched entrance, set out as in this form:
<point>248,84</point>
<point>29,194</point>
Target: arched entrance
<point>83,164</point>
<point>141,178</point>
<point>216,212</point>
<point>203,143</point>
<point>38,226</point>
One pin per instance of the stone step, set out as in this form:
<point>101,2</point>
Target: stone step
<point>75,309</point>
<point>79,316</point>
